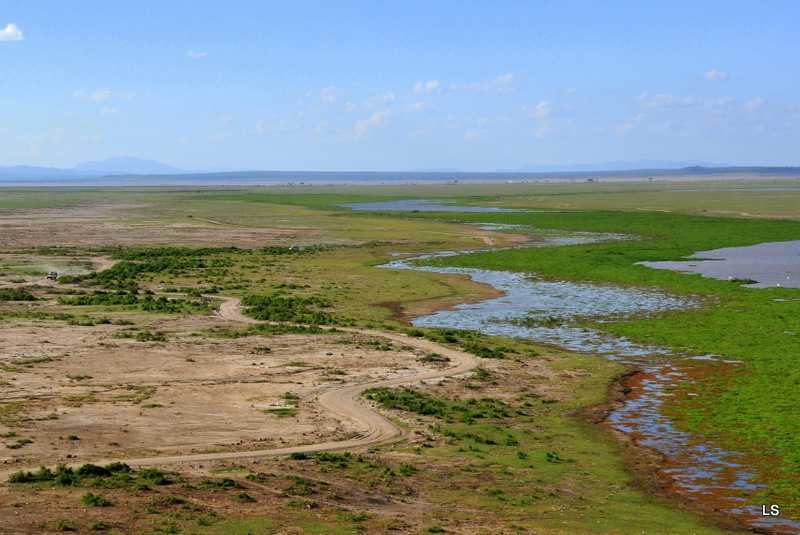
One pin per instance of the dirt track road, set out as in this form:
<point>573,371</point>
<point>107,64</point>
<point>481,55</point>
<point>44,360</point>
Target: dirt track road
<point>342,402</point>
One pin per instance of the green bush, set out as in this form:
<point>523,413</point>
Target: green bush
<point>279,307</point>
<point>16,294</point>
<point>95,500</point>
<point>419,403</point>
<point>224,483</point>
<point>434,357</point>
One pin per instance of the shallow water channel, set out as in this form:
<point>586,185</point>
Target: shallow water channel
<point>548,312</point>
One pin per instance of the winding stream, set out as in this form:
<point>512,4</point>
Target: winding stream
<point>547,313</point>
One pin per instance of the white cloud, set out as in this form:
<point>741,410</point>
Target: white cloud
<point>715,76</point>
<point>722,101</point>
<point>493,121</point>
<point>542,131</point>
<point>218,137</point>
<point>324,99</point>
<point>363,126</point>
<point>109,111</point>
<point>755,103</point>
<point>262,125</point>
<point>469,135</point>
<point>500,84</point>
<point>97,96</point>
<point>100,96</point>
<point>543,109</point>
<point>630,123</point>
<point>414,107</point>
<point>623,128</point>
<point>350,106</point>
<point>656,101</point>
<point>193,54</point>
<point>569,91</point>
<point>322,127</point>
<point>11,33</point>
<point>504,83</point>
<point>379,100</point>
<point>431,86</point>
<point>328,95</point>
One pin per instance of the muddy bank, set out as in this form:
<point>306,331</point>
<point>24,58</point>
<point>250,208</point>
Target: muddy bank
<point>646,464</point>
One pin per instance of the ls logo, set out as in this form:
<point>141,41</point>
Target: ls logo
<point>771,510</point>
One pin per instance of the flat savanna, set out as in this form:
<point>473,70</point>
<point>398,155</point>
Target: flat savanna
<point>191,335</point>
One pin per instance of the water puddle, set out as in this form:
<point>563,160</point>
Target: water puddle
<point>764,265</point>
<point>547,311</point>
<point>557,237</point>
<point>551,313</point>
<point>717,478</point>
<point>423,205</point>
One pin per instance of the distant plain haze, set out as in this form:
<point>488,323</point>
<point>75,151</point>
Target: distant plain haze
<point>396,86</point>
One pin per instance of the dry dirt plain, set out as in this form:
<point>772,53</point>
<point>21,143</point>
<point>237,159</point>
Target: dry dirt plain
<point>75,394</point>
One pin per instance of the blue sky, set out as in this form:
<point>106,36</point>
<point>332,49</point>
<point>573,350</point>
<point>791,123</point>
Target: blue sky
<point>356,85</point>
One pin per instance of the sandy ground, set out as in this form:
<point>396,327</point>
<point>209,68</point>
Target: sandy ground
<point>197,404</point>
<point>85,395</point>
<point>81,393</point>
<point>120,225</point>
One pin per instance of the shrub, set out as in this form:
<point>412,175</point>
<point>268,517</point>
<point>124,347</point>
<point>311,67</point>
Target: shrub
<point>434,357</point>
<point>92,470</point>
<point>279,307</point>
<point>16,294</point>
<point>155,476</point>
<point>95,500</point>
<point>224,483</point>
<point>118,467</point>
<point>483,351</point>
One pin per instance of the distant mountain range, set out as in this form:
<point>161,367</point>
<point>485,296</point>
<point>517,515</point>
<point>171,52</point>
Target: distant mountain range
<point>618,166</point>
<point>119,166</point>
<point>109,167</point>
<point>137,171</point>
<point>127,165</point>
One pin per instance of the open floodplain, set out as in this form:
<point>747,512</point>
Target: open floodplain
<point>194,366</point>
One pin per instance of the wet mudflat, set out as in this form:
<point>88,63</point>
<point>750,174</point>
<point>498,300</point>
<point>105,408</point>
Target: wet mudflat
<point>551,312</point>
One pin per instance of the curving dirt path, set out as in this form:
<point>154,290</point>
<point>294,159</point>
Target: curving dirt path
<point>376,429</point>
<point>103,263</point>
